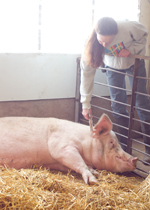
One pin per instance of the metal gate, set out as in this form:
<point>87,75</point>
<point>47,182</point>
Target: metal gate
<point>135,144</point>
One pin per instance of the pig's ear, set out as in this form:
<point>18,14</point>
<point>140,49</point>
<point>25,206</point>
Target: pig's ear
<point>104,126</point>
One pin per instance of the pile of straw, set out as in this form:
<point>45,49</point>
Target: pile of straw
<point>43,189</point>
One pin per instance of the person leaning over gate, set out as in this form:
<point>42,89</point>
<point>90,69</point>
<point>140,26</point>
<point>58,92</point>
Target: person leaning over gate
<point>111,42</point>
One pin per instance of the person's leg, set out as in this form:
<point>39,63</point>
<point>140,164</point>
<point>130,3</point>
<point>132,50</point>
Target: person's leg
<point>118,80</point>
<point>143,102</point>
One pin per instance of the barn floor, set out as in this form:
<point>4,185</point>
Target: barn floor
<point>140,156</point>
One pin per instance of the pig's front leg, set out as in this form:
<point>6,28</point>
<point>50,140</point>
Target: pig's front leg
<point>69,156</point>
<point>93,171</point>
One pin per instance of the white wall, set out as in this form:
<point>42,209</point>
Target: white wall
<point>37,76</point>
<point>41,76</point>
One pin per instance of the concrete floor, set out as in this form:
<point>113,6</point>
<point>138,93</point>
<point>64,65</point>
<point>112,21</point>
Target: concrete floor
<point>140,165</point>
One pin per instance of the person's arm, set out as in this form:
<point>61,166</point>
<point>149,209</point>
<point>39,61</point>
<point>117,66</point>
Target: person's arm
<point>139,35</point>
<point>86,86</point>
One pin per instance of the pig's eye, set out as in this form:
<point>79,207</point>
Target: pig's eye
<point>112,144</point>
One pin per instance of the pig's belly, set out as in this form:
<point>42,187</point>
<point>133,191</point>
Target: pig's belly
<point>24,142</point>
<point>22,153</point>
<point>24,159</point>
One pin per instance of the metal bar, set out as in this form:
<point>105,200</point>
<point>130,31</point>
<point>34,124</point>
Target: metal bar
<point>140,142</point>
<point>133,99</point>
<point>141,121</point>
<point>139,169</point>
<point>122,136</point>
<point>144,144</point>
<point>142,94</point>
<point>39,25</point>
<point>110,111</point>
<point>135,107</point>
<point>146,78</point>
<point>137,174</point>
<point>119,72</point>
<point>77,93</point>
<point>108,99</point>
<point>140,133</point>
<point>99,83</point>
<point>85,121</point>
<point>139,57</point>
<point>140,152</point>
<point>121,126</point>
<point>93,12</point>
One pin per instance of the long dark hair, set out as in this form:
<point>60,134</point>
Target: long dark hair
<point>94,51</point>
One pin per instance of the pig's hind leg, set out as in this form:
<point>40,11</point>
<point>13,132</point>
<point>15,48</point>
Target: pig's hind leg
<point>71,158</point>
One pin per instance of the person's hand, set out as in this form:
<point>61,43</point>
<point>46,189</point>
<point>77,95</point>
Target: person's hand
<point>86,112</point>
<point>124,53</point>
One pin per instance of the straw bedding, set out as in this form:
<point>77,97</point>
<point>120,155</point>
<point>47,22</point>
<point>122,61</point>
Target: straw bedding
<point>38,188</point>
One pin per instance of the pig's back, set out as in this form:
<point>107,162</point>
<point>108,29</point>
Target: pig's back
<point>22,128</point>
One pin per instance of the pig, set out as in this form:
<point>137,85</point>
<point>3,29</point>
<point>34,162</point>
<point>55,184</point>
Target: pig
<point>59,144</point>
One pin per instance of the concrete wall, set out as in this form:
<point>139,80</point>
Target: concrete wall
<point>59,108</point>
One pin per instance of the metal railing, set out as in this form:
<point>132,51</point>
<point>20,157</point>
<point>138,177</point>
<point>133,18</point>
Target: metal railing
<point>141,169</point>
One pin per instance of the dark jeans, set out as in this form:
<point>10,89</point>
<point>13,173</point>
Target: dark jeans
<point>142,101</point>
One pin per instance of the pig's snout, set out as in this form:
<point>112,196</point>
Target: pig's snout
<point>133,160</point>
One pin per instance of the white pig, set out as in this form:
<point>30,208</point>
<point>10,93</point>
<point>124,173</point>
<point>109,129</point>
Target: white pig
<point>62,145</point>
